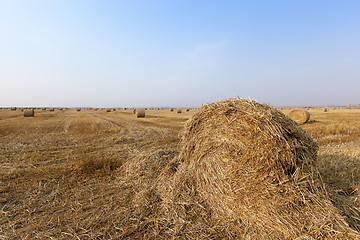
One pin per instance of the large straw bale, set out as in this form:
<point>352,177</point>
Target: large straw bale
<point>29,113</point>
<point>300,116</point>
<point>140,112</point>
<point>246,171</point>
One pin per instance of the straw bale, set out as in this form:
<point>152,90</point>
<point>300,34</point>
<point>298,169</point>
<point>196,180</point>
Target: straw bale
<point>178,110</point>
<point>29,113</point>
<point>300,116</point>
<point>78,109</point>
<point>246,171</point>
<point>51,109</point>
<point>171,109</point>
<point>13,109</point>
<point>108,110</point>
<point>140,112</point>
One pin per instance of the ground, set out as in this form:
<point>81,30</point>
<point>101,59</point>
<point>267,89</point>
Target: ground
<point>77,175</point>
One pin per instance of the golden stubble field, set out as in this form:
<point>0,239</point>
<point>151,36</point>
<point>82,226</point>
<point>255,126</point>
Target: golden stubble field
<point>89,174</point>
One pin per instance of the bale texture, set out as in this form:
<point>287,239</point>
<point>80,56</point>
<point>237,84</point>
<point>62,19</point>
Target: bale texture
<point>246,171</point>
<point>140,112</point>
<point>29,113</point>
<point>300,116</point>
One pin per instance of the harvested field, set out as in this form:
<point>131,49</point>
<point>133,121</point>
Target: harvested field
<point>87,174</point>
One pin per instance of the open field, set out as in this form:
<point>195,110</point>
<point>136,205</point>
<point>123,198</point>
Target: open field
<point>89,174</point>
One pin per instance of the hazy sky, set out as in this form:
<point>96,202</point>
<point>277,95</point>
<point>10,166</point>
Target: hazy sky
<point>178,52</point>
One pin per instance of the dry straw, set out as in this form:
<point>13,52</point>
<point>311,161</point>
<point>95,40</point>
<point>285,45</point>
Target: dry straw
<point>300,116</point>
<point>140,112</point>
<point>246,171</point>
<point>29,113</point>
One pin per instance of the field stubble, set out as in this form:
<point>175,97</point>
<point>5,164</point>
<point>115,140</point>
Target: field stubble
<point>90,174</point>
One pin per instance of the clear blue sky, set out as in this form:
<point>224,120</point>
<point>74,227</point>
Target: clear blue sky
<point>178,52</point>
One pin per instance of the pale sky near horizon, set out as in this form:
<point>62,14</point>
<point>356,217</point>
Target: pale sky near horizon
<point>179,53</point>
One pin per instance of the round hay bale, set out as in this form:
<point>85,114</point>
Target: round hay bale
<point>140,112</point>
<point>324,109</point>
<point>78,109</point>
<point>300,116</point>
<point>51,109</point>
<point>29,113</point>
<point>188,109</point>
<point>171,109</point>
<point>114,109</point>
<point>108,110</point>
<point>247,170</point>
<point>178,110</point>
<point>13,109</point>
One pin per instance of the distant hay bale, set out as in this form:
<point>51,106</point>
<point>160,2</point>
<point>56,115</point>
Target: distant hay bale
<point>246,171</point>
<point>51,109</point>
<point>108,110</point>
<point>78,109</point>
<point>171,109</point>
<point>13,109</point>
<point>178,110</point>
<point>300,116</point>
<point>188,109</point>
<point>29,113</point>
<point>324,109</point>
<point>114,109</point>
<point>140,112</point>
